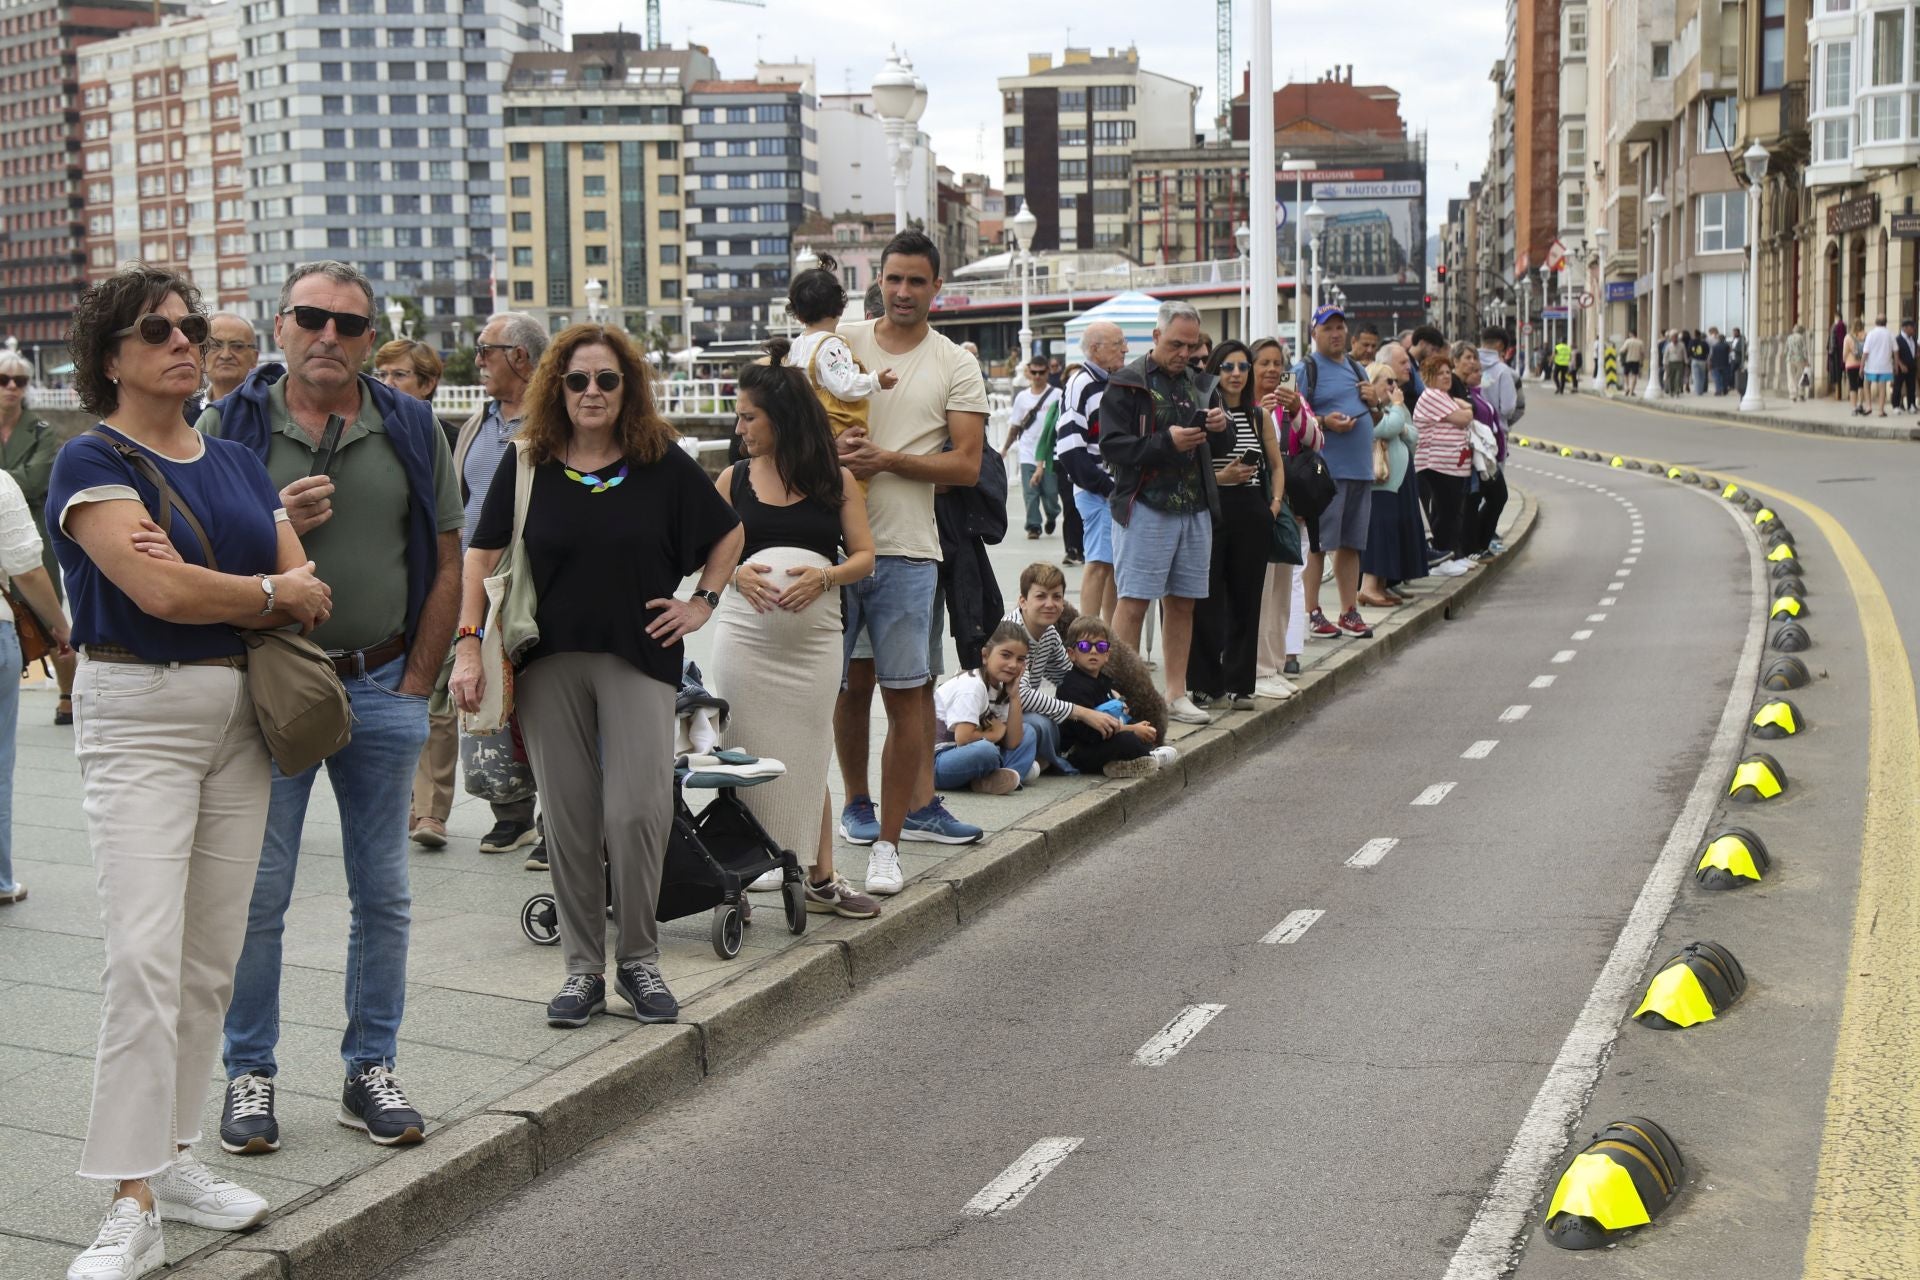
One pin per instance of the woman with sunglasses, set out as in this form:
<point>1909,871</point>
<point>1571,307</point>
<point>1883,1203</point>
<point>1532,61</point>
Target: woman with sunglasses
<point>173,768</point>
<point>27,446</point>
<point>777,647</point>
<point>1248,473</point>
<point>1283,599</point>
<point>618,515</point>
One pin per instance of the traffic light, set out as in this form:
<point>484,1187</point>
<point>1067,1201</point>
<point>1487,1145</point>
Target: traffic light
<point>1441,273</point>
<point>1427,298</point>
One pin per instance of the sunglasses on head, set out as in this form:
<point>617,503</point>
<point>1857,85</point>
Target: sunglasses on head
<point>155,329</point>
<point>578,381</point>
<point>314,319</point>
<point>1092,646</point>
<point>15,380</point>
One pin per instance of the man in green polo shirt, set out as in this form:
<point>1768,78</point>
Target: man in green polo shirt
<point>383,523</point>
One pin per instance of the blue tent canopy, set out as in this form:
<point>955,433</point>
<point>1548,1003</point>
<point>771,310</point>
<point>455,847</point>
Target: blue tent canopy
<point>1135,313</point>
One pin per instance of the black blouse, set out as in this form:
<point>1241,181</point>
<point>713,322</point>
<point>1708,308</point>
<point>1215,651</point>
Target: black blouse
<point>806,524</point>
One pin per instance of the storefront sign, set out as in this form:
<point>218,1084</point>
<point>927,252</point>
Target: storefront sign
<point>1904,226</point>
<point>1853,215</point>
<point>1620,290</point>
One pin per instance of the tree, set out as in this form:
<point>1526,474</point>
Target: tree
<point>462,370</point>
<point>413,319</point>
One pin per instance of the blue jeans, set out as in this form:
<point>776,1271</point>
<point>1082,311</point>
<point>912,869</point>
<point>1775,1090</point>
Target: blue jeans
<point>9,731</point>
<point>1040,488</point>
<point>888,617</point>
<point>954,766</point>
<point>372,779</point>
<point>1045,734</point>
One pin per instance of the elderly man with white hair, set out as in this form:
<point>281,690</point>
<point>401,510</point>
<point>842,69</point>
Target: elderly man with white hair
<point>1154,420</point>
<point>1076,449</point>
<point>233,348</point>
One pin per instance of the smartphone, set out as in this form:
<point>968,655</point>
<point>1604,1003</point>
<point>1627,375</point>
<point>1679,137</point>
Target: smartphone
<point>1286,378</point>
<point>329,441</point>
<point>1250,457</point>
<point>1199,419</point>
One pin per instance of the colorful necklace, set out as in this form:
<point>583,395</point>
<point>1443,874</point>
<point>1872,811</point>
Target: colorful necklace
<point>593,482</point>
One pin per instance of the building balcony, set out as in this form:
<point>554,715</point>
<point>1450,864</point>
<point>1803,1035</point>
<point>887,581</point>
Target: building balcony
<point>1793,114</point>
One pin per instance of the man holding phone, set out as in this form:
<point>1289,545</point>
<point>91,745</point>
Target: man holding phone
<point>1154,419</point>
<point>1347,404</point>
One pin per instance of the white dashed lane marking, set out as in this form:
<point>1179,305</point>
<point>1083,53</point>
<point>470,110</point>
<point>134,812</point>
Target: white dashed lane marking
<point>1176,1035</point>
<point>1607,602</point>
<point>1370,853</point>
<point>1565,655</point>
<point>1582,635</point>
<point>1516,712</point>
<point>1020,1177</point>
<point>1542,682</point>
<point>1480,750</point>
<point>1296,924</point>
<point>1435,793</point>
<point>1596,617</point>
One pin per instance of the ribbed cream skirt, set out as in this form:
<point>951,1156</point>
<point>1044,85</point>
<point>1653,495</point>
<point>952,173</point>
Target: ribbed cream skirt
<point>780,672</point>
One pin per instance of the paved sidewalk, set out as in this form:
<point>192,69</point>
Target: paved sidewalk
<point>474,1031</point>
<point>1816,417</point>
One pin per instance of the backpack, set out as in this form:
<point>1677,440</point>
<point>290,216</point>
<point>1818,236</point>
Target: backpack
<point>1310,486</point>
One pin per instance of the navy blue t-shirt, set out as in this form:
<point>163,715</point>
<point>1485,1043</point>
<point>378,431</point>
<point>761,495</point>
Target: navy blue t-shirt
<point>1349,454</point>
<point>226,487</point>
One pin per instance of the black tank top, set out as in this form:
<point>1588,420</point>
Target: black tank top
<point>806,524</point>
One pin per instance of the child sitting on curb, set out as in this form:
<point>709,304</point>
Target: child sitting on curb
<point>1128,751</point>
<point>1043,598</point>
<point>979,738</point>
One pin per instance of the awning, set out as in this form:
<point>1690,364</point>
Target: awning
<point>1136,313</point>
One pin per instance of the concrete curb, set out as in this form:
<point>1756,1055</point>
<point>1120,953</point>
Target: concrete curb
<point>1862,430</point>
<point>356,1229</point>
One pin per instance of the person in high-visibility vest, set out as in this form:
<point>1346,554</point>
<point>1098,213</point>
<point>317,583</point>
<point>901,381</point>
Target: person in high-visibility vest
<point>1562,366</point>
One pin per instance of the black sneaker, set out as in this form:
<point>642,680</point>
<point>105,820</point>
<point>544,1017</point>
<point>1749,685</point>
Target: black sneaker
<point>581,996</point>
<point>641,986</point>
<point>536,857</point>
<point>1291,667</point>
<point>247,1126</point>
<point>507,836</point>
<point>373,1102</point>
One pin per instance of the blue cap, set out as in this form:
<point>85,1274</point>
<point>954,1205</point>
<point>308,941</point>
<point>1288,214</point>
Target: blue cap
<point>1327,313</point>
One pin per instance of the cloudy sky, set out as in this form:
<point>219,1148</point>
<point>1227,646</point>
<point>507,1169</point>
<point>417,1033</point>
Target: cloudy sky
<point>1438,62</point>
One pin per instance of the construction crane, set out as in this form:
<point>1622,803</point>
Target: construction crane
<point>653,18</point>
<point>1223,51</point>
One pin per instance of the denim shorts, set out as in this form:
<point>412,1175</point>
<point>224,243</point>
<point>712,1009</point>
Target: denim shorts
<point>1343,525</point>
<point>1165,554</point>
<point>1096,524</point>
<point>891,611</point>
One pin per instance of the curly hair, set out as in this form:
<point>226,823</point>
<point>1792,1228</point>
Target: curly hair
<point>644,435</point>
<point>107,307</point>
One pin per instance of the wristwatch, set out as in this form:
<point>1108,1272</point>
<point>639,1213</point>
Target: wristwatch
<point>711,597</point>
<point>266,585</point>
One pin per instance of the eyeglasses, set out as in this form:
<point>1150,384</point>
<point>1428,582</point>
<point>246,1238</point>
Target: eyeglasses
<point>19,380</point>
<point>314,319</point>
<point>1092,646</point>
<point>578,381</point>
<point>395,375</point>
<point>155,329</point>
<point>484,349</point>
<point>1235,366</point>
<point>218,344</point>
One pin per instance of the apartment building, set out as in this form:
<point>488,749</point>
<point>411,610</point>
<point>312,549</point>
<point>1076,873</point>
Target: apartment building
<point>990,209</point>
<point>753,172</point>
<point>860,179</point>
<point>1069,134</point>
<point>958,223</point>
<point>42,227</point>
<point>596,181</point>
<point>161,152</point>
<point>372,134</point>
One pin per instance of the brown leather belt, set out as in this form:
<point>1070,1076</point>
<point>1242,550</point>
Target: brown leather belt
<point>360,661</point>
<point>114,653</point>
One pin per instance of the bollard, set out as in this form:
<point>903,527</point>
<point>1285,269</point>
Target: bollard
<point>1731,857</point>
<point>1622,1179</point>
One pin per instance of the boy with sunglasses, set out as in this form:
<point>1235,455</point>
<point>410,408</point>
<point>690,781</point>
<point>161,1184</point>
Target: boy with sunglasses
<point>1128,751</point>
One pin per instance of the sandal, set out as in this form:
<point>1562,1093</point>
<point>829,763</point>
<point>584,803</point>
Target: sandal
<point>63,711</point>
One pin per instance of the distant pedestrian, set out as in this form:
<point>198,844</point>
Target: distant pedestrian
<point>27,447</point>
<point>1283,600</point>
<point>1719,361</point>
<point>1907,364</point>
<point>1853,355</point>
<point>1347,405</point>
<point>22,572</point>
<point>1798,371</point>
<point>1836,358</point>
<point>1699,355</point>
<point>1076,452</point>
<point>1633,357</point>
<point>1673,363</point>
<point>1036,408</point>
<point>1878,365</point>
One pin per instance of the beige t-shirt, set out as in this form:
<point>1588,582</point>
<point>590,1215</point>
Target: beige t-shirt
<point>936,377</point>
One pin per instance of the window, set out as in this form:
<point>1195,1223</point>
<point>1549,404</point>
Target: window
<point>522,256</point>
<point>706,115</point>
<point>521,187</point>
<point>739,115</point>
<point>1014,136</point>
<point>669,255</point>
<point>1889,46</point>
<point>1773,45</point>
<point>1111,131</point>
<point>1576,42</point>
<point>594,219</point>
<point>1073,137</point>
<point>409,171</point>
<point>593,185</point>
<point>329,37</point>
<point>593,151</point>
<point>667,151</point>
<point>1575,212</point>
<point>333,139</point>
<point>1718,125</point>
<point>366,104</point>
<point>360,38</point>
<point>739,147</point>
<point>523,291</point>
<point>367,139</point>
<point>668,185</point>
<point>669,219</point>
<point>337,206</point>
<point>1836,76</point>
<point>1662,60</point>
<point>596,255</point>
<point>367,206</point>
<point>1576,152</point>
<point>332,71</point>
<point>1011,104</point>
<point>1722,224</point>
<point>1073,100</point>
<point>523,222</point>
<point>1112,97</point>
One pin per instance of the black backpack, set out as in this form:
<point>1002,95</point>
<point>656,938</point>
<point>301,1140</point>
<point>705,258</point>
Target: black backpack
<point>1310,486</point>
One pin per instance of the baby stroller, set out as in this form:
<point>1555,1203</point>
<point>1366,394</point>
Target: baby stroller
<point>712,856</point>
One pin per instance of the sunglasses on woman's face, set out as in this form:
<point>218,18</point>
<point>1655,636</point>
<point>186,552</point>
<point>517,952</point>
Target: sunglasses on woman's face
<point>314,319</point>
<point>579,380</point>
<point>155,329</point>
<point>1092,646</point>
<point>1235,366</point>
<point>19,380</point>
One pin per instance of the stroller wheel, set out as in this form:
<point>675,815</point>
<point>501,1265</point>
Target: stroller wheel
<point>793,896</point>
<point>540,920</point>
<point>726,931</point>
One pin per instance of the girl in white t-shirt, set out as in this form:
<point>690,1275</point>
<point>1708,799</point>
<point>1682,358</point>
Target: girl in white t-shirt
<point>816,299</point>
<point>980,742</point>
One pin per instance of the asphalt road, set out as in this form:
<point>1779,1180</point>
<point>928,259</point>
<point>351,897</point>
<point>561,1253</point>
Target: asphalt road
<point>1331,1103</point>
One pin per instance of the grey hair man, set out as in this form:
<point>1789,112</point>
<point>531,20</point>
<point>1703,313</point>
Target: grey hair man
<point>381,523</point>
<point>1076,449</point>
<point>233,348</point>
<point>1154,420</point>
<point>507,351</point>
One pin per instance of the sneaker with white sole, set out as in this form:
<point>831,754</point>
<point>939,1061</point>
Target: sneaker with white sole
<point>1183,710</point>
<point>1001,782</point>
<point>188,1191</point>
<point>1452,569</point>
<point>1138,767</point>
<point>1276,687</point>
<point>859,824</point>
<point>837,897</point>
<point>883,869</point>
<point>1240,702</point>
<point>128,1244</point>
<point>934,823</point>
<point>247,1124</point>
<point>769,882</point>
<point>1164,756</point>
<point>374,1103</point>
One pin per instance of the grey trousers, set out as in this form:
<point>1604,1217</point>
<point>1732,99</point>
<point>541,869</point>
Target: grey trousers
<point>599,735</point>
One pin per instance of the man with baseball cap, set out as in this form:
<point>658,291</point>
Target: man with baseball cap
<point>1347,404</point>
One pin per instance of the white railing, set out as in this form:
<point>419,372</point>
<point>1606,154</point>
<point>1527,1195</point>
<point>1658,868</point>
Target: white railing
<point>677,398</point>
<point>1226,272</point>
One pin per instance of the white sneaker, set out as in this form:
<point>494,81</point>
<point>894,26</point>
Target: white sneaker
<point>1240,702</point>
<point>769,882</point>
<point>129,1244</point>
<point>1277,687</point>
<point>188,1191</point>
<point>1451,569</point>
<point>1183,710</point>
<point>883,869</point>
<point>1162,757</point>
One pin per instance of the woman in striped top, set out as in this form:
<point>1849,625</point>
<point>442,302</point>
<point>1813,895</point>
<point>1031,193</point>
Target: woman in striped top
<point>1444,461</point>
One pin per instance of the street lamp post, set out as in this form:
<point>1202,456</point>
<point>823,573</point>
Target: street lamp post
<point>1527,340</point>
<point>1242,238</point>
<point>899,98</point>
<point>1656,204</point>
<point>395,314</point>
<point>1262,247</point>
<point>1755,160</point>
<point>1600,238</point>
<point>595,291</point>
<point>1022,226</point>
<point>1314,217</point>
<point>1299,168</point>
<point>1067,274</point>
<point>1546,323</point>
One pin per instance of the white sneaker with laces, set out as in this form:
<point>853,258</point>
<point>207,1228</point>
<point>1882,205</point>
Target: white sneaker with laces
<point>768,883</point>
<point>883,869</point>
<point>1183,710</point>
<point>188,1191</point>
<point>128,1244</point>
<point>1164,756</point>
<point>1452,569</point>
<point>1276,687</point>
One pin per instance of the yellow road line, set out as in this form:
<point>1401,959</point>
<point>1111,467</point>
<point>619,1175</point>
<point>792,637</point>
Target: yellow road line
<point>1866,1198</point>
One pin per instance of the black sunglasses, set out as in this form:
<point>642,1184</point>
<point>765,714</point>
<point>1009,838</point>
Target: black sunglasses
<point>314,319</point>
<point>1092,646</point>
<point>578,381</point>
<point>1235,366</point>
<point>16,380</point>
<point>155,329</point>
